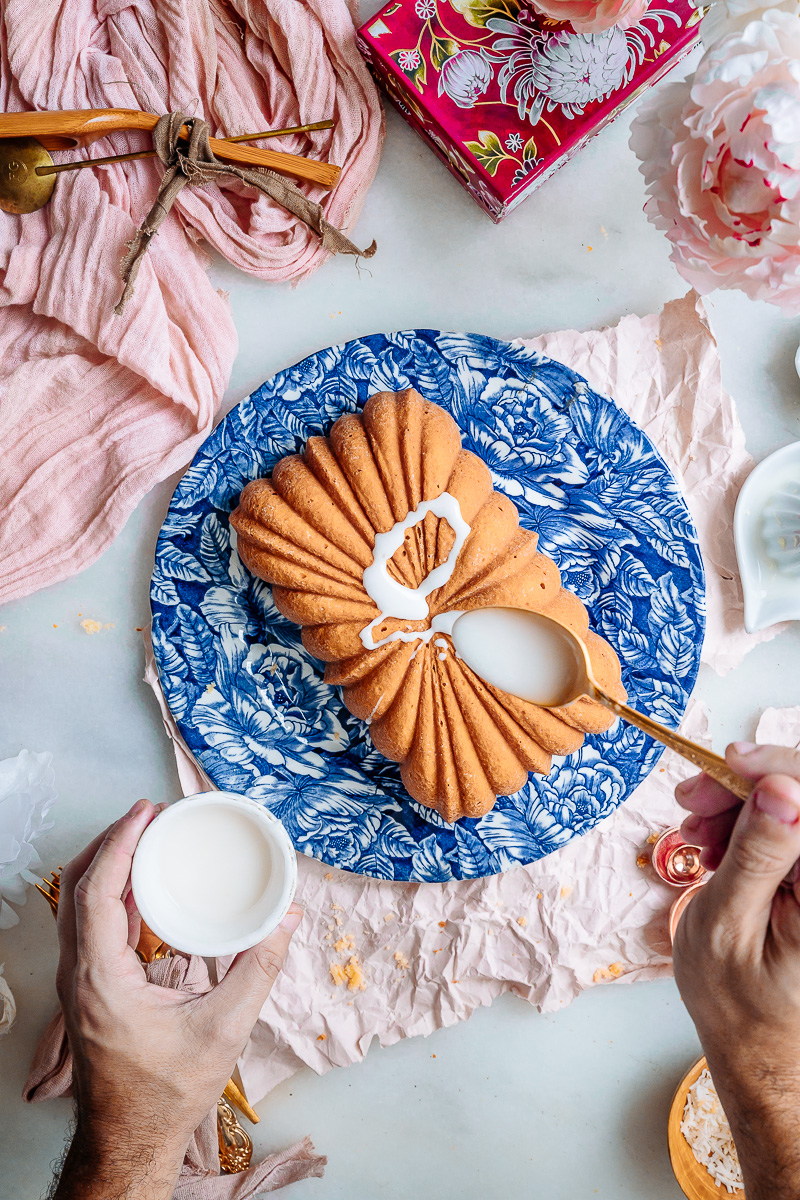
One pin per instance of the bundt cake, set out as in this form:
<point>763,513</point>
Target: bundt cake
<point>374,539</point>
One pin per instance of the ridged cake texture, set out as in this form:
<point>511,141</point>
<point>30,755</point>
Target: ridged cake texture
<point>310,531</point>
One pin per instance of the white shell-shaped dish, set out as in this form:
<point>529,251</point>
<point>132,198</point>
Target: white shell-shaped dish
<point>764,532</point>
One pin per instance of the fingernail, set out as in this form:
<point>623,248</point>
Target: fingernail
<point>692,822</point>
<point>744,747</point>
<point>291,921</point>
<point>135,809</point>
<point>775,806</point>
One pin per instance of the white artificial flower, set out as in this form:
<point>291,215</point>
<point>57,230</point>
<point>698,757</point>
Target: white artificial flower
<point>731,16</point>
<point>8,1009</point>
<point>26,796</point>
<point>721,157</point>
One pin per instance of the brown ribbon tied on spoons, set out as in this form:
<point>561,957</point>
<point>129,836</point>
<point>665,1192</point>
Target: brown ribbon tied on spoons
<point>194,163</point>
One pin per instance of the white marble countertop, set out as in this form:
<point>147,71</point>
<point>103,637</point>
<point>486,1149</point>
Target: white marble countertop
<point>513,1104</point>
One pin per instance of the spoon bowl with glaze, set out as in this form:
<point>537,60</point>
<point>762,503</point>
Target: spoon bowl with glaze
<point>540,660</point>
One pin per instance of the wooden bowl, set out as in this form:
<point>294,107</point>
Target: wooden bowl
<point>694,1180</point>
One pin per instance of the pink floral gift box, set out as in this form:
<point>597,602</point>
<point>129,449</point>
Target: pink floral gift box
<point>504,95</point>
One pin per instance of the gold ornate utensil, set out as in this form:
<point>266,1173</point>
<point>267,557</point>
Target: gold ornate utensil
<point>235,1146</point>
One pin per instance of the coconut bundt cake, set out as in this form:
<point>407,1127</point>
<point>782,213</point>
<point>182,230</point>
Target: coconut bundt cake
<point>374,539</point>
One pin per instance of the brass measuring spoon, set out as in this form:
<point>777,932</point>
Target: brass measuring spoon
<point>538,659</point>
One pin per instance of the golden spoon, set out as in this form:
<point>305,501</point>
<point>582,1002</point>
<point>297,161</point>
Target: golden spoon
<point>538,659</point>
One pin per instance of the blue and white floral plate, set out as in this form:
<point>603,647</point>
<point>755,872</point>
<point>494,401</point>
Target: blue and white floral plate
<point>251,703</point>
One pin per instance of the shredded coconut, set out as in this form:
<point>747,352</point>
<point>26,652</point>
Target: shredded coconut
<point>708,1133</point>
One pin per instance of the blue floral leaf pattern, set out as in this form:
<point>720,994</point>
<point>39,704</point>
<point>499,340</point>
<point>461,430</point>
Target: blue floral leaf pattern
<point>251,702</point>
<point>429,863</point>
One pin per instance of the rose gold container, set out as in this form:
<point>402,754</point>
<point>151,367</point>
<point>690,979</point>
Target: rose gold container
<point>680,906</point>
<point>675,861</point>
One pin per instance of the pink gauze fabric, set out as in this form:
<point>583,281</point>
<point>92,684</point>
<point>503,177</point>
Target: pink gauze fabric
<point>50,1076</point>
<point>95,409</point>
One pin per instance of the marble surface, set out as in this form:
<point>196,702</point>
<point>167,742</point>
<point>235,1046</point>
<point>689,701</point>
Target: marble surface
<point>565,1107</point>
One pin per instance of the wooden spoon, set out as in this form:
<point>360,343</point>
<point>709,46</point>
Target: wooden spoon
<point>541,660</point>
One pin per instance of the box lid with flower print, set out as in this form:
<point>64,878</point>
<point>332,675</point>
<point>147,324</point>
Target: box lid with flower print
<point>505,95</point>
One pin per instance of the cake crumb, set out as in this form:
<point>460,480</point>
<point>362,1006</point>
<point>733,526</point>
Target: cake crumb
<point>139,628</point>
<point>388,917</point>
<point>401,960</point>
<point>539,895</point>
<point>600,974</point>
<point>615,970</point>
<point>338,920</point>
<point>336,907</point>
<point>321,1037</point>
<point>523,921</point>
<point>89,626</point>
<point>651,841</point>
<point>331,925</point>
<point>439,951</point>
<point>354,975</point>
<point>329,875</point>
<point>442,924</point>
<point>337,973</point>
<point>612,972</point>
<point>566,891</point>
<point>642,861</point>
<point>345,944</point>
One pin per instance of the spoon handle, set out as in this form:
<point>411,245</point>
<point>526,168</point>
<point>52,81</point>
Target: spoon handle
<point>706,760</point>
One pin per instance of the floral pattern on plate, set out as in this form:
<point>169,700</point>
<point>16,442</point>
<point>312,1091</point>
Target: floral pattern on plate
<point>252,704</point>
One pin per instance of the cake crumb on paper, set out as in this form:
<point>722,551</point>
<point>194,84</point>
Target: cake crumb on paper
<point>329,875</point>
<point>354,975</point>
<point>345,944</point>
<point>90,626</point>
<point>388,917</point>
<point>642,861</point>
<point>611,972</point>
<point>321,1037</point>
<point>402,962</point>
<point>523,921</point>
<point>539,895</point>
<point>442,924</point>
<point>566,891</point>
<point>331,925</point>
<point>651,841</point>
<point>336,907</point>
<point>337,973</point>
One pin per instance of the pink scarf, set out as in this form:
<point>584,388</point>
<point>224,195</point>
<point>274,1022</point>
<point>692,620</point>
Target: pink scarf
<point>95,409</point>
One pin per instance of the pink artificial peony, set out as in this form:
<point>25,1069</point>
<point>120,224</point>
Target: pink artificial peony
<point>593,16</point>
<point>721,157</point>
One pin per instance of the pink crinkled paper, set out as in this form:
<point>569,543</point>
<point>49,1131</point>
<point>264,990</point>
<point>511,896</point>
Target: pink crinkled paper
<point>432,953</point>
<point>94,408</point>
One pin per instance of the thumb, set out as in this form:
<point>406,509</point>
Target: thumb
<point>764,846</point>
<point>240,996</point>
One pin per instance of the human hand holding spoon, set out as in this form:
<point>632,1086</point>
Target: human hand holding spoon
<point>538,659</point>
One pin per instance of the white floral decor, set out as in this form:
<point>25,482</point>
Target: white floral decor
<point>721,157</point>
<point>8,1008</point>
<point>731,16</point>
<point>26,796</point>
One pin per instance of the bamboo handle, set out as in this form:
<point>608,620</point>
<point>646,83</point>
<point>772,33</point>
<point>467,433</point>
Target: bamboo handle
<point>706,760</point>
<point>236,1098</point>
